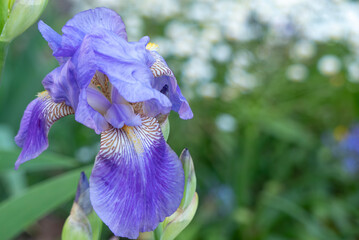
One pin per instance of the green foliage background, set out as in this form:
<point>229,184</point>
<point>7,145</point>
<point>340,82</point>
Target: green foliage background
<point>272,178</point>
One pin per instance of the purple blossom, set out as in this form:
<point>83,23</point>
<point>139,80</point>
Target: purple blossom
<point>349,150</point>
<point>124,91</point>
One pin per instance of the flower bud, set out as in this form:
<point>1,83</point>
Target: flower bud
<point>174,224</point>
<point>17,16</point>
<point>190,178</point>
<point>83,223</point>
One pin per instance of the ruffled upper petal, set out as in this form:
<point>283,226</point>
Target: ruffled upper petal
<point>137,179</point>
<point>53,39</point>
<point>166,82</point>
<point>87,22</point>
<point>125,64</point>
<point>95,41</point>
<point>38,117</point>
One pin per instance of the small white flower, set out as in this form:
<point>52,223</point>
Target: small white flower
<point>243,59</point>
<point>209,90</point>
<point>353,70</point>
<point>297,72</point>
<point>211,33</point>
<point>304,49</point>
<point>238,78</point>
<point>197,70</point>
<point>221,52</point>
<point>226,122</point>
<point>329,65</point>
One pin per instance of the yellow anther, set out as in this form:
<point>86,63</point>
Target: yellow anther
<point>152,47</point>
<point>43,94</point>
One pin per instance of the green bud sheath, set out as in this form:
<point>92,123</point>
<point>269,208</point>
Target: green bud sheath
<point>178,221</point>
<point>83,223</point>
<point>190,178</point>
<point>21,14</point>
<point>77,226</point>
<point>174,224</point>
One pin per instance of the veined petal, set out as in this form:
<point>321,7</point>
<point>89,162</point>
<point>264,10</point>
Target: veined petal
<point>166,82</point>
<point>137,179</point>
<point>39,116</point>
<point>85,23</point>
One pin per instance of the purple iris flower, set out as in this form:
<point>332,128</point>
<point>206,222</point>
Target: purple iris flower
<point>349,150</point>
<point>124,91</point>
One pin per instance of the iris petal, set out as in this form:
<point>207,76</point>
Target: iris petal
<point>52,37</point>
<point>97,100</point>
<point>39,116</point>
<point>125,64</point>
<point>137,179</point>
<point>85,23</point>
<point>165,80</point>
<point>120,114</point>
<point>61,84</point>
<point>88,116</point>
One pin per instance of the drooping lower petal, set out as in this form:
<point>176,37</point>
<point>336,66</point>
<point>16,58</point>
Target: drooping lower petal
<point>166,82</point>
<point>137,179</point>
<point>39,116</point>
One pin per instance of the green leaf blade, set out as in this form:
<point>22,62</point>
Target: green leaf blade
<point>20,211</point>
<point>46,161</point>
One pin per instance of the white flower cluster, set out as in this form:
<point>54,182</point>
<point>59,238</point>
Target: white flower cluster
<point>208,35</point>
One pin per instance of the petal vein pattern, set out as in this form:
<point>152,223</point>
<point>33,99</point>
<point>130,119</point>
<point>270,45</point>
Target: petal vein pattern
<point>39,116</point>
<point>54,111</point>
<point>166,83</point>
<point>137,179</point>
<point>159,69</point>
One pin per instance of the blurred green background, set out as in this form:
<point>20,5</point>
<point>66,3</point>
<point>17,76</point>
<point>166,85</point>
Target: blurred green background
<point>274,87</point>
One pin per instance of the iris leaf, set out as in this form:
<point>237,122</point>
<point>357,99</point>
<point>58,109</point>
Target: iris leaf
<point>317,229</point>
<point>46,161</point>
<point>22,210</point>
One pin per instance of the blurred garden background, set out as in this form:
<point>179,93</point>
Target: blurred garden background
<point>274,88</point>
